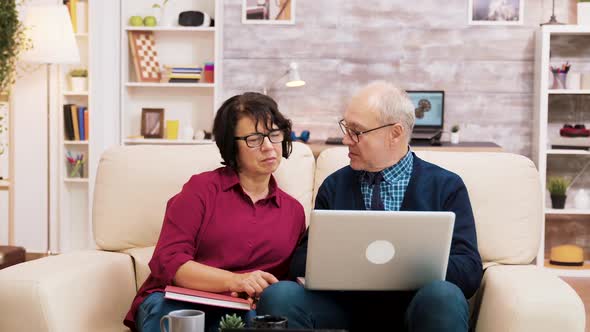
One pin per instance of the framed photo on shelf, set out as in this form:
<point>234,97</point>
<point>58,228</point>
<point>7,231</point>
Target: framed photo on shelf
<point>496,12</point>
<point>152,122</point>
<point>268,11</point>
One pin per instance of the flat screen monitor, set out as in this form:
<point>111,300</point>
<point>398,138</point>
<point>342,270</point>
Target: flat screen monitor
<point>429,109</point>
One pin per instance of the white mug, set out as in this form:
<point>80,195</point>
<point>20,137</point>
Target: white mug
<point>184,321</point>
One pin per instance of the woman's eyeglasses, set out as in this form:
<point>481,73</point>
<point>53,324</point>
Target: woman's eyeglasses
<point>256,140</point>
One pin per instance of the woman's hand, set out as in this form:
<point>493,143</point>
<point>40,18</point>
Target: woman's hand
<point>251,283</point>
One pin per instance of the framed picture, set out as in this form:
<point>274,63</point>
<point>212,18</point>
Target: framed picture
<point>145,57</point>
<point>496,12</point>
<point>268,11</point>
<point>152,122</point>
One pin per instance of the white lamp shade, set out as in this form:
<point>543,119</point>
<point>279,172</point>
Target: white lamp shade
<point>294,77</point>
<point>50,30</point>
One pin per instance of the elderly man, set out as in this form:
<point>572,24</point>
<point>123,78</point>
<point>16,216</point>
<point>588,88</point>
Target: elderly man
<point>384,174</point>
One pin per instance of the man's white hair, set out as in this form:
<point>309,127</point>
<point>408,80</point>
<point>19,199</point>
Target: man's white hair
<point>393,105</point>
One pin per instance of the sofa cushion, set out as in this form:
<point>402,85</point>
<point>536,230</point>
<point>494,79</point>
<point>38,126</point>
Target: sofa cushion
<point>509,225</point>
<point>141,259</point>
<point>134,183</point>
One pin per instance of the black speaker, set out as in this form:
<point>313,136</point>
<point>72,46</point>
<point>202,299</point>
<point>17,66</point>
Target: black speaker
<point>194,19</point>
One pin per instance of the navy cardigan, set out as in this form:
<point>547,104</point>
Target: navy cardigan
<point>431,188</point>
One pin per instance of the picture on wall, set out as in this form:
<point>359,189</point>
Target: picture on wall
<point>268,11</point>
<point>496,12</point>
<point>152,122</point>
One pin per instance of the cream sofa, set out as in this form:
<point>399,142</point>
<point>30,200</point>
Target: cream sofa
<point>92,290</point>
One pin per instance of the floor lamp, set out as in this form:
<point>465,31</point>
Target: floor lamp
<point>293,81</point>
<point>52,36</point>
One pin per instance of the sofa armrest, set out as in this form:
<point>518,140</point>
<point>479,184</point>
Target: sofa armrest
<point>527,298</point>
<point>79,291</point>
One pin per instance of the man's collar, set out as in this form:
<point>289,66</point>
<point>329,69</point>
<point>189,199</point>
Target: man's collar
<point>391,173</point>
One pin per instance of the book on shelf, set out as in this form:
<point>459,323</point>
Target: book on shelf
<point>75,122</point>
<point>208,298</point>
<point>73,10</point>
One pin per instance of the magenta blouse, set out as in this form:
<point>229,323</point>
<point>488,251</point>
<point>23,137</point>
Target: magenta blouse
<point>214,222</point>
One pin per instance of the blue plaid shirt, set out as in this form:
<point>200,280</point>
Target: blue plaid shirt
<point>394,184</point>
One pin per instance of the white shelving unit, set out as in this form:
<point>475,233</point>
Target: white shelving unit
<point>192,104</point>
<point>550,50</point>
<point>74,212</point>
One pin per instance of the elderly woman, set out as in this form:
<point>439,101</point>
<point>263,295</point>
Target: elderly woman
<point>231,230</point>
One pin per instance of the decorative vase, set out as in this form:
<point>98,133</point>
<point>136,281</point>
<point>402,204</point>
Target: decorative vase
<point>157,13</point>
<point>188,133</point>
<point>559,81</point>
<point>558,201</point>
<point>79,83</point>
<point>455,138</point>
<point>167,16</point>
<point>582,200</point>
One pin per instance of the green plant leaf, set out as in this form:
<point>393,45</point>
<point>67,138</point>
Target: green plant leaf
<point>79,72</point>
<point>557,185</point>
<point>13,41</point>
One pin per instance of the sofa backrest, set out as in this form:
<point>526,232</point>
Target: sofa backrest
<point>134,183</point>
<point>505,194</point>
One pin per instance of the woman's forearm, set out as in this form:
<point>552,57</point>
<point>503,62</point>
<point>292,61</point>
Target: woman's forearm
<point>195,275</point>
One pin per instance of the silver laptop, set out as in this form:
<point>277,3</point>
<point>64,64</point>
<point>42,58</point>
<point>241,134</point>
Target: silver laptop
<point>377,250</point>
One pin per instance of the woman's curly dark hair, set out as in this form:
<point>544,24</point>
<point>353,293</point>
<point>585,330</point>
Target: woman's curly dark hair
<point>261,108</point>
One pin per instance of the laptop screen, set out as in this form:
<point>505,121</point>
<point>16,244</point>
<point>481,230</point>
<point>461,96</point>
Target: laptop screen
<point>429,109</point>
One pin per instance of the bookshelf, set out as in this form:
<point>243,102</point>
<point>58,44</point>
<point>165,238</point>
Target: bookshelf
<point>554,46</point>
<point>74,194</point>
<point>193,104</point>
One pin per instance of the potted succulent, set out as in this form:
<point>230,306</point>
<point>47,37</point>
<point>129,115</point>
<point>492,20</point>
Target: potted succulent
<point>232,321</point>
<point>583,12</point>
<point>79,79</point>
<point>557,187</point>
<point>455,134</point>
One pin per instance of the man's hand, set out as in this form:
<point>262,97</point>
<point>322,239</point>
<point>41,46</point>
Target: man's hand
<point>251,283</point>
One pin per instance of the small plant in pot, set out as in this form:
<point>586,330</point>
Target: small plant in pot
<point>79,79</point>
<point>557,187</point>
<point>232,321</point>
<point>455,134</point>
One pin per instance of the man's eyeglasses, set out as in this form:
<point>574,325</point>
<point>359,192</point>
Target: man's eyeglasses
<point>354,134</point>
<point>256,140</point>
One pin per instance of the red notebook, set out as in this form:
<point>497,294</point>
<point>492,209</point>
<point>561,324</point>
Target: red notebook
<point>215,299</point>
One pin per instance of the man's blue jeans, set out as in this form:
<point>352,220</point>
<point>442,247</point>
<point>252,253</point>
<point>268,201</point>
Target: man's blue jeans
<point>439,306</point>
<point>155,306</point>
